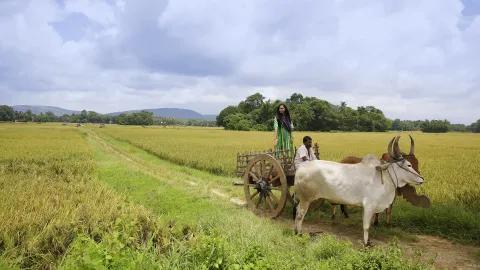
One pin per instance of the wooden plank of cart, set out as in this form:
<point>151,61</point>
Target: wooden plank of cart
<point>267,178</point>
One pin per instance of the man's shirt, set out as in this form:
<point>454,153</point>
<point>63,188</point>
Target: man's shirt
<point>302,151</point>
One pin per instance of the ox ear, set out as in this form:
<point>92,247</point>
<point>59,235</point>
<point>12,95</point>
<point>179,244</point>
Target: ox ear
<point>382,167</point>
<point>410,194</point>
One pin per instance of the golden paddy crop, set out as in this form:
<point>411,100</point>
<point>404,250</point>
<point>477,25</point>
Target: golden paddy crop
<point>49,197</point>
<point>449,162</point>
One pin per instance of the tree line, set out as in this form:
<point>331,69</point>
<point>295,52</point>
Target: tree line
<point>314,114</point>
<point>434,126</point>
<point>257,113</point>
<point>170,121</point>
<point>143,118</point>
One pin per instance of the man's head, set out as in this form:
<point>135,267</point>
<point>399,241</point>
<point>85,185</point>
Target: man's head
<point>307,141</point>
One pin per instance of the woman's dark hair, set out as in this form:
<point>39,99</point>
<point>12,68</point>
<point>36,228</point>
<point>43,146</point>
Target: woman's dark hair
<point>286,113</point>
<point>284,121</point>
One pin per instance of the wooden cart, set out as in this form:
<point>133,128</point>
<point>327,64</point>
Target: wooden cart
<point>267,178</point>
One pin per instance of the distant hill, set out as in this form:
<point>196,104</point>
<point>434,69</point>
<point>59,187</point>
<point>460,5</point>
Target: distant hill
<point>173,113</point>
<point>43,109</point>
<point>159,112</point>
<point>210,117</point>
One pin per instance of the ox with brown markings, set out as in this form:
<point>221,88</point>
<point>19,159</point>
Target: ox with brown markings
<point>408,192</point>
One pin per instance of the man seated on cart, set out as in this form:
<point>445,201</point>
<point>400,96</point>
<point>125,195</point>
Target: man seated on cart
<point>305,152</point>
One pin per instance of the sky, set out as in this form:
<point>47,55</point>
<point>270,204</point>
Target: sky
<point>413,59</point>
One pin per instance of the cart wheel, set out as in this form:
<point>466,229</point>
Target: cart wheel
<point>265,186</point>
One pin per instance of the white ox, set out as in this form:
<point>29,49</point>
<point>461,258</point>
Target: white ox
<point>370,184</point>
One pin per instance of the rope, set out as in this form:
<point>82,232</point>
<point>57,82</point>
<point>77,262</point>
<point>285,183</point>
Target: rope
<point>396,177</point>
<point>391,178</point>
<point>414,173</point>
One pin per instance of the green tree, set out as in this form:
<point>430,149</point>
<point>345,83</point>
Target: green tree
<point>475,127</point>
<point>397,124</point>
<point>295,98</point>
<point>251,103</point>
<point>7,113</point>
<point>65,118</point>
<point>324,116</point>
<point>50,117</point>
<point>457,127</point>
<point>19,116</point>
<point>29,115</point>
<point>348,119</point>
<point>308,113</point>
<point>143,118</point>
<point>83,116</point>
<point>224,113</point>
<point>265,114</point>
<point>435,126</point>
<point>41,118</point>
<point>93,117</point>
<point>238,121</point>
<point>302,116</point>
<point>371,119</point>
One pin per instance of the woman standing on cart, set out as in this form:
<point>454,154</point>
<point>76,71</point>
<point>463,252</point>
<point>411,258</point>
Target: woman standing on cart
<point>283,131</point>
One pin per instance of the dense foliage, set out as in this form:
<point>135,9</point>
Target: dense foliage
<point>435,126</point>
<point>138,118</point>
<point>314,114</point>
<point>475,127</point>
<point>308,113</point>
<point>170,121</point>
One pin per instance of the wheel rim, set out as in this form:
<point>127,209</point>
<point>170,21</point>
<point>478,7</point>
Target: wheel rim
<point>265,186</point>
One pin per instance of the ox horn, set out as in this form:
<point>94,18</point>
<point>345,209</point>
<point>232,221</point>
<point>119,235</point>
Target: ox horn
<point>412,146</point>
<point>396,149</point>
<point>389,148</point>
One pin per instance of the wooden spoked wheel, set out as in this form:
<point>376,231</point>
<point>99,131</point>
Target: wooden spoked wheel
<point>265,186</point>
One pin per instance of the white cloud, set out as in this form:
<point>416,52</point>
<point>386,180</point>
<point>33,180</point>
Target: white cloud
<point>412,59</point>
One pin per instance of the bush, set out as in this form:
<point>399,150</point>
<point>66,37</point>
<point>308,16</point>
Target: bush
<point>435,126</point>
<point>238,121</point>
<point>260,127</point>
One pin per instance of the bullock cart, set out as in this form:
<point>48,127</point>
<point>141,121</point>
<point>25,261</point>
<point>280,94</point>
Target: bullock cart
<point>267,178</point>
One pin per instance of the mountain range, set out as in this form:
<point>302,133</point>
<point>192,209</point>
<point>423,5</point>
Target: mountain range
<point>159,112</point>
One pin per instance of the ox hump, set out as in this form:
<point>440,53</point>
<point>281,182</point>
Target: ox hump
<point>370,160</point>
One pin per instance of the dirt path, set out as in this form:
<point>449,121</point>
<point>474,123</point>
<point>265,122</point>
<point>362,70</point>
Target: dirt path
<point>444,253</point>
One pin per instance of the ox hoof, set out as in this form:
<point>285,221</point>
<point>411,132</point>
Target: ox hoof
<point>375,223</point>
<point>333,217</point>
<point>368,244</point>
<point>346,215</point>
<point>315,233</point>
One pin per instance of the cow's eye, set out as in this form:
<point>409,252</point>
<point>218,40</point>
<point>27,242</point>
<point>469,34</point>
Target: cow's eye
<point>409,165</point>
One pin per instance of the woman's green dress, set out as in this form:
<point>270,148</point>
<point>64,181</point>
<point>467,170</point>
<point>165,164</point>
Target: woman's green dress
<point>284,139</point>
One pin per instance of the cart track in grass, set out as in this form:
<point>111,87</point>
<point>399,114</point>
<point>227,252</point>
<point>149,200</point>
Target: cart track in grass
<point>444,253</point>
<point>154,170</point>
